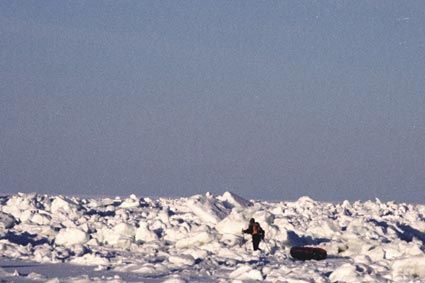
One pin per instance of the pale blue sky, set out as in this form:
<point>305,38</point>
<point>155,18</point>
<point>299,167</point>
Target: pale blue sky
<point>269,99</point>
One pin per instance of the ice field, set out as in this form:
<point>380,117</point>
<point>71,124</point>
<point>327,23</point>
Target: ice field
<point>199,239</point>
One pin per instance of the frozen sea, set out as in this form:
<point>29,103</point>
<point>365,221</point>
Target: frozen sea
<point>46,238</point>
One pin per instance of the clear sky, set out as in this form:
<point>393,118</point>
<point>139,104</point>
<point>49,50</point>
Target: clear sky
<point>269,99</point>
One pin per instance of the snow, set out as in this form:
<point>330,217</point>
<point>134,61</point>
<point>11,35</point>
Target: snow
<point>199,238</point>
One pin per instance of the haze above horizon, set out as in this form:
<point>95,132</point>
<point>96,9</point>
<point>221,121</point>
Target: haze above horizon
<point>270,100</point>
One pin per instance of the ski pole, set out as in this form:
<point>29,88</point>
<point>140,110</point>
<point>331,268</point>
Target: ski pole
<point>244,242</point>
<point>268,247</point>
<point>266,244</point>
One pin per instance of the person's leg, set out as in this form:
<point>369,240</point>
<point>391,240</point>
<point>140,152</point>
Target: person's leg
<point>256,242</point>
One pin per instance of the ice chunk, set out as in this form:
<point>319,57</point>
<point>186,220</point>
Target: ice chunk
<point>121,235</point>
<point>36,277</point>
<point>207,208</point>
<point>232,224</point>
<point>6,221</point>
<point>411,266</point>
<point>147,269</point>
<point>410,249</point>
<point>375,253</point>
<point>26,215</point>
<point>42,253</point>
<point>195,240</point>
<point>71,236</point>
<point>181,260</point>
<point>130,202</point>
<point>18,204</point>
<point>196,252</point>
<point>63,204</point>
<point>174,279</point>
<point>124,229</point>
<point>344,273</point>
<point>306,200</point>
<point>233,200</point>
<point>40,219</point>
<point>246,272</point>
<point>392,252</point>
<point>90,259</point>
<point>78,250</point>
<point>323,228</point>
<point>109,237</point>
<point>144,234</point>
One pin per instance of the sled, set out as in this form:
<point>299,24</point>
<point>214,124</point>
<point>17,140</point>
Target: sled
<point>308,253</point>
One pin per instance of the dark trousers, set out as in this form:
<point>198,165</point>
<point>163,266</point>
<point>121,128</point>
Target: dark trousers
<point>256,241</point>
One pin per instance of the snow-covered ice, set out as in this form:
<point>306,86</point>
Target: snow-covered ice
<point>199,238</point>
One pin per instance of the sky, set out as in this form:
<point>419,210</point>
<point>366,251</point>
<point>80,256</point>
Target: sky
<point>268,99</point>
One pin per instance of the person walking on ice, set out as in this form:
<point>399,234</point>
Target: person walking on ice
<point>256,232</point>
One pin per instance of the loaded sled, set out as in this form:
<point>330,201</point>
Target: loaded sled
<point>308,253</point>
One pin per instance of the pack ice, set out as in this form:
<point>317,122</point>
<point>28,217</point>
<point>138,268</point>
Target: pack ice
<point>199,238</point>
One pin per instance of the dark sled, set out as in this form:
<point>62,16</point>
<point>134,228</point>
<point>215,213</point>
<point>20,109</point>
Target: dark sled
<point>308,253</point>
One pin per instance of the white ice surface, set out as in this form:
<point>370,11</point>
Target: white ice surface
<point>199,239</point>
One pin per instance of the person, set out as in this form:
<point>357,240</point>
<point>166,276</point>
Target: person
<point>256,232</point>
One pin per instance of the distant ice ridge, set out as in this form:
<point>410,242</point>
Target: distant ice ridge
<point>199,237</point>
